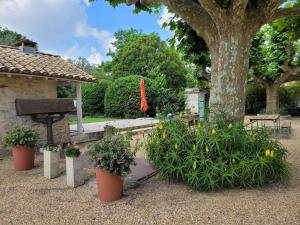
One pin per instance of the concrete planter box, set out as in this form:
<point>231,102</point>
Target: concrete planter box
<point>51,164</point>
<point>75,176</point>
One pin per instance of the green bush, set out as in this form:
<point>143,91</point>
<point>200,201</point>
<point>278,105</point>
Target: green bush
<point>93,97</point>
<point>216,156</point>
<point>122,97</point>
<point>113,154</point>
<point>72,151</point>
<point>23,136</point>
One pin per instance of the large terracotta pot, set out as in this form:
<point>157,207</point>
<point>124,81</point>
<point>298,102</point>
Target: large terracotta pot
<point>23,158</point>
<point>110,188</point>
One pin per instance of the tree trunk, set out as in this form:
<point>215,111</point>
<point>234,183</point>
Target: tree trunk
<point>272,98</point>
<point>230,63</point>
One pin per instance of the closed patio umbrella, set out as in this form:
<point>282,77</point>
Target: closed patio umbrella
<point>144,105</point>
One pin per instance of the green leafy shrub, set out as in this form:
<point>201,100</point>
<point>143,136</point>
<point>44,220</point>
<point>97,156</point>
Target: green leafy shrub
<point>54,148</point>
<point>122,97</point>
<point>215,156</point>
<point>93,97</point>
<point>113,154</point>
<point>72,151</point>
<point>23,136</point>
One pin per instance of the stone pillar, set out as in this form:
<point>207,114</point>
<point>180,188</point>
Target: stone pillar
<point>79,107</point>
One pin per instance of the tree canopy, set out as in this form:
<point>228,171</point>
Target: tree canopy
<point>146,55</point>
<point>9,37</point>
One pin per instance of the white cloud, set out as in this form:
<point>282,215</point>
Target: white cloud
<point>70,52</point>
<point>51,22</point>
<point>103,37</point>
<point>95,57</point>
<point>164,17</point>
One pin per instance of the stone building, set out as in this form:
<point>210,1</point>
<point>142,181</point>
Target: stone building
<point>26,73</point>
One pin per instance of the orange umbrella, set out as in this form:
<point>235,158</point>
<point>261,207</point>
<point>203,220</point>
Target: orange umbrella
<point>144,105</point>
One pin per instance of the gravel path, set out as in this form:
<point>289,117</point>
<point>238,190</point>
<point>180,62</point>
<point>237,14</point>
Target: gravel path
<point>29,198</point>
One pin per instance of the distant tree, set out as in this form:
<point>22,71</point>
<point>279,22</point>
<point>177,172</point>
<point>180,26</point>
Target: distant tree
<point>148,56</point>
<point>9,37</point>
<point>83,64</point>
<point>275,58</point>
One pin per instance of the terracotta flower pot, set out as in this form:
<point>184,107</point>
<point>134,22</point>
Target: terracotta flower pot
<point>110,188</point>
<point>23,158</point>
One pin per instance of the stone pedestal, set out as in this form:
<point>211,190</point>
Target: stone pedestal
<point>51,164</point>
<point>74,172</point>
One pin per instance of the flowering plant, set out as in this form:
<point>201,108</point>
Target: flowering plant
<point>72,150</point>
<point>113,154</point>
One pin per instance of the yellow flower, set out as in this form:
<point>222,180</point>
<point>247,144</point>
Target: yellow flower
<point>194,148</point>
<point>176,146</point>
<point>272,154</point>
<point>198,125</point>
<point>230,125</point>
<point>187,124</point>
<point>282,158</point>
<point>206,149</point>
<point>164,135</point>
<point>213,131</point>
<point>195,165</point>
<point>181,114</point>
<point>160,126</point>
<point>267,153</point>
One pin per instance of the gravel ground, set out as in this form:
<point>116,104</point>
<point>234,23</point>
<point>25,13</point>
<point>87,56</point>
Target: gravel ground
<point>29,198</point>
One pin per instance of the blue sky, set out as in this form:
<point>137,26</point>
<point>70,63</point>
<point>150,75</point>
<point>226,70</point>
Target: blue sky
<point>73,28</point>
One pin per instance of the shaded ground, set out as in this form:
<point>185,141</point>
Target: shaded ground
<point>29,198</point>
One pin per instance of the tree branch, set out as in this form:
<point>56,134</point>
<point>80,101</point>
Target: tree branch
<point>260,80</point>
<point>288,72</point>
<point>285,12</point>
<point>196,16</point>
<point>214,10</point>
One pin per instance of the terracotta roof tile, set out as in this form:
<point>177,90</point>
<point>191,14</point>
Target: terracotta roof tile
<point>12,60</point>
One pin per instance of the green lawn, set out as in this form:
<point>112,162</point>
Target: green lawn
<point>92,119</point>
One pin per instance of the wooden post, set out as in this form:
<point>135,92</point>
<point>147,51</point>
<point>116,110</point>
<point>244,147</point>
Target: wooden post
<point>79,107</point>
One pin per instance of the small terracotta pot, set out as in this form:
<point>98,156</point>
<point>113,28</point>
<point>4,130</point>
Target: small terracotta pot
<point>23,158</point>
<point>110,188</point>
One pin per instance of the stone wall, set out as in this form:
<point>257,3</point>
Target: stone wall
<point>21,87</point>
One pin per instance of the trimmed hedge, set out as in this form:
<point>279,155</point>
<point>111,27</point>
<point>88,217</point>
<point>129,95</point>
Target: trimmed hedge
<point>122,97</point>
<point>93,97</point>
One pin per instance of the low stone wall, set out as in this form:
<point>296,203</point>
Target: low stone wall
<point>15,87</point>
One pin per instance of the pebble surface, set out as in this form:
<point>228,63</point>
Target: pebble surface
<point>29,198</point>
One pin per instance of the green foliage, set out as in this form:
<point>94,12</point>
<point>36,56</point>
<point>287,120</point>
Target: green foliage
<point>213,156</point>
<point>122,97</point>
<point>255,99</point>
<point>23,136</point>
<point>65,90</point>
<point>72,151</point>
<point>147,56</point>
<point>113,154</point>
<point>93,97</point>
<point>54,148</point>
<point>83,63</point>
<point>8,37</point>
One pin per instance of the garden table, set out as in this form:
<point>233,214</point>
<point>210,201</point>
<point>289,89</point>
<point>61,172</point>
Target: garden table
<point>275,118</point>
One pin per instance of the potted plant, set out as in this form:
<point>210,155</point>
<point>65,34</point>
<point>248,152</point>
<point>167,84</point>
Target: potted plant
<point>75,176</point>
<point>51,161</point>
<point>22,140</point>
<point>112,158</point>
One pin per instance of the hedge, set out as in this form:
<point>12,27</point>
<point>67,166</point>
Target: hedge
<point>122,97</point>
<point>93,97</point>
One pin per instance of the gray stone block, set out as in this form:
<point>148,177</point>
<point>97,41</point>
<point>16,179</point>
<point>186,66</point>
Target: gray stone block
<point>74,171</point>
<point>51,164</point>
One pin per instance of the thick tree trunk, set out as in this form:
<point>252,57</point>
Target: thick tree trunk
<point>272,98</point>
<point>230,63</point>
